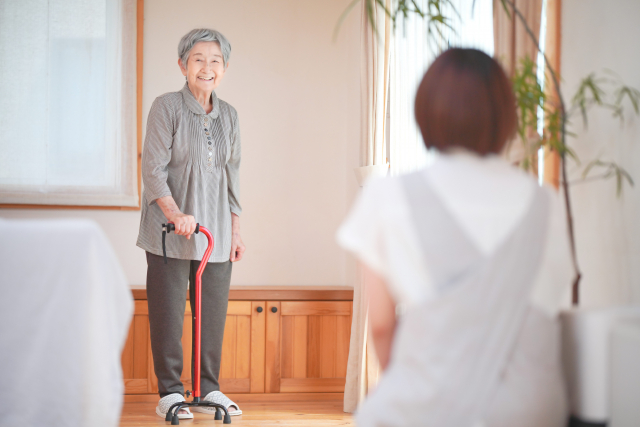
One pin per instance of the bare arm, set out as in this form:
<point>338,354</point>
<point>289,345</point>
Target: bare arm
<point>185,224</point>
<point>382,314</point>
<point>237,247</point>
<point>233,180</point>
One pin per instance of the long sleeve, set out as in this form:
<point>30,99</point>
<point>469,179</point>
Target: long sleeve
<point>157,151</point>
<point>233,169</point>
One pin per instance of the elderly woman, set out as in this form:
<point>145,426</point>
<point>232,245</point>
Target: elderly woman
<point>190,170</point>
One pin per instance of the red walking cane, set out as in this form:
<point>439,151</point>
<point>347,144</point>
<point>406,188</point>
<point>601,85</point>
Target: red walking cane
<point>176,407</point>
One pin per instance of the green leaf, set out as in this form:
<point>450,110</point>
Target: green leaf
<point>589,93</point>
<point>343,16</point>
<point>611,169</point>
<point>632,93</point>
<point>506,8</point>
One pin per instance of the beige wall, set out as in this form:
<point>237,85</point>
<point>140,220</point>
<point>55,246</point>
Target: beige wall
<point>298,98</point>
<point>598,35</point>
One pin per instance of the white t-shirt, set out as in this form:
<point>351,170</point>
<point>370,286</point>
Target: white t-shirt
<point>488,198</point>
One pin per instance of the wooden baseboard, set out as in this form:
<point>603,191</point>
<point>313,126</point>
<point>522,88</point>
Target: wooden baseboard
<point>250,397</point>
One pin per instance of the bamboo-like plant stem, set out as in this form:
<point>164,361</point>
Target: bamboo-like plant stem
<point>575,290</point>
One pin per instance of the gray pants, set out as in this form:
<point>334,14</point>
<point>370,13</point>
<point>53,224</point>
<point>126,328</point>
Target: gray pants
<point>166,296</point>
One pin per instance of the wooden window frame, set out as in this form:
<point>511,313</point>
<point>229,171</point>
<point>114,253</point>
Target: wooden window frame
<point>139,63</point>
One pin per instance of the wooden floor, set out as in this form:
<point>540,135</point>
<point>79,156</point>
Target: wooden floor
<point>305,413</point>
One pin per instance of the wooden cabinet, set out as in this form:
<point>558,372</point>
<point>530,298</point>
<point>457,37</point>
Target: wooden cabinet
<point>277,339</point>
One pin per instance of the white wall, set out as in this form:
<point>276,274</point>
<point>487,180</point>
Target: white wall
<point>298,98</point>
<point>598,35</point>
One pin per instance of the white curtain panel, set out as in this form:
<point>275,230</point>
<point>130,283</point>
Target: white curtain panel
<point>363,367</point>
<point>414,49</point>
<point>68,104</point>
<point>413,52</point>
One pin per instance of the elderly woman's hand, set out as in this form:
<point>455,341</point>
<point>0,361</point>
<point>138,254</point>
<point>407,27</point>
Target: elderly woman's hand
<point>185,224</point>
<point>237,247</point>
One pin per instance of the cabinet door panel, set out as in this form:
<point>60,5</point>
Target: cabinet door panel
<point>240,347</point>
<point>343,337</point>
<point>317,308</point>
<point>313,346</point>
<point>258,338</point>
<point>294,346</point>
<point>229,346</point>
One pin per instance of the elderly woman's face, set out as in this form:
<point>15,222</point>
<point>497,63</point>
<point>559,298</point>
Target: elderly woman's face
<point>205,67</point>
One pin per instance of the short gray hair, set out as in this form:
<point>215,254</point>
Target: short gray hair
<point>189,40</point>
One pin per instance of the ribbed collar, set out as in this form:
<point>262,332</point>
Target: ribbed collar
<point>194,105</point>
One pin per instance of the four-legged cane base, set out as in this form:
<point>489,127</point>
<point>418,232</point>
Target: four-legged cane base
<point>173,417</point>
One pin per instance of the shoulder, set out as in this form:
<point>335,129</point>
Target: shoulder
<point>169,98</point>
<point>381,201</point>
<point>376,188</point>
<point>227,109</point>
<point>387,194</point>
<point>168,102</point>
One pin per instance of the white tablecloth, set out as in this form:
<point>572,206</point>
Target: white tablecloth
<point>64,317</point>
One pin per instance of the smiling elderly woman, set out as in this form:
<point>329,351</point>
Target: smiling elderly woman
<point>190,170</point>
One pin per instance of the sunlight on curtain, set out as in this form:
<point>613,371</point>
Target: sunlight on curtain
<point>67,111</point>
<point>414,49</point>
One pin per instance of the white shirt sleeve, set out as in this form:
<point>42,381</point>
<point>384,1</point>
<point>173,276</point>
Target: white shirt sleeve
<point>379,231</point>
<point>362,231</point>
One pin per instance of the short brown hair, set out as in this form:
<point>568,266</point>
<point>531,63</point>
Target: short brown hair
<point>465,100</point>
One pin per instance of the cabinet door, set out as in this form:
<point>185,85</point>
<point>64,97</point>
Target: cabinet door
<point>307,346</point>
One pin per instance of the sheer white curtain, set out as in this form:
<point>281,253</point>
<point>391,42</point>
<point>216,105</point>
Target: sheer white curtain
<point>67,109</point>
<point>414,49</point>
<point>363,367</point>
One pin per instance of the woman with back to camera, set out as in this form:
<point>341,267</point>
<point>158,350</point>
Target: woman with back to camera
<point>474,256</point>
<point>190,170</point>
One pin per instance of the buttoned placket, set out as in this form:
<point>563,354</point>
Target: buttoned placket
<point>207,123</point>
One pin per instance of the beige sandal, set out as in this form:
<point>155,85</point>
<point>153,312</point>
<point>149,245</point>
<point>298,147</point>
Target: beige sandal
<point>166,402</point>
<point>219,398</point>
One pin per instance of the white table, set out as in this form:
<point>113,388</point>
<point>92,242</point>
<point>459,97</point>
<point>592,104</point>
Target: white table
<point>64,318</point>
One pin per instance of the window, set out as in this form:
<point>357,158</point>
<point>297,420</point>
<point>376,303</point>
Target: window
<point>68,106</point>
<point>414,49</point>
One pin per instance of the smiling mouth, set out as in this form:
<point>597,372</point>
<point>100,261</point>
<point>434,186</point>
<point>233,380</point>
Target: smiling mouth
<point>206,79</point>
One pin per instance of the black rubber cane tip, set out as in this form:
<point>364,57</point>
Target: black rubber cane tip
<point>175,421</point>
<point>227,419</point>
<point>218,415</point>
<point>168,416</point>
